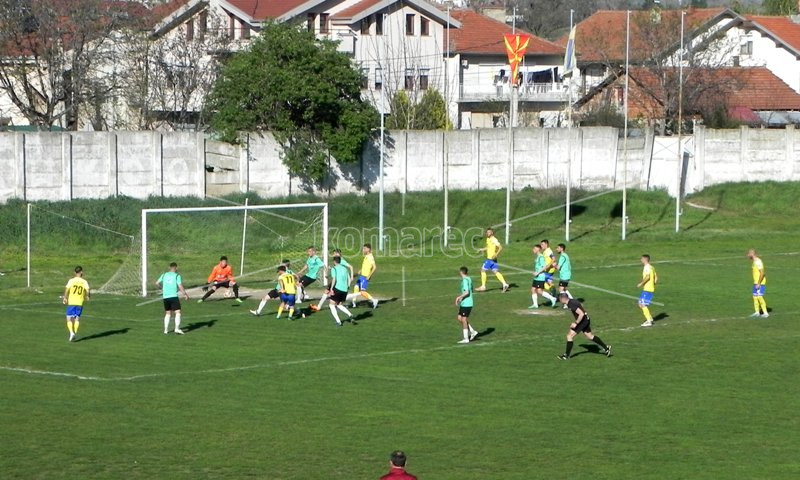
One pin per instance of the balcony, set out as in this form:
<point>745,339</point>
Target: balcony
<point>500,92</point>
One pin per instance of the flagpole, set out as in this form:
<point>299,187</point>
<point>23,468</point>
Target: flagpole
<point>569,140</point>
<point>680,132</point>
<point>625,129</point>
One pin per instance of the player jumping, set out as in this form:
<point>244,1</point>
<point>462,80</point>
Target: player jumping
<point>309,273</point>
<point>492,249</point>
<point>221,277</point>
<point>75,293</point>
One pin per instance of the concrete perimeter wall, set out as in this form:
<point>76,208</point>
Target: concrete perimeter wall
<point>63,166</point>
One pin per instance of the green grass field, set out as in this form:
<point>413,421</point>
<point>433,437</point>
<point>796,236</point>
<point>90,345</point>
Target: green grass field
<point>706,393</point>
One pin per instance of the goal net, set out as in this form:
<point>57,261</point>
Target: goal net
<point>254,238</point>
<point>63,236</point>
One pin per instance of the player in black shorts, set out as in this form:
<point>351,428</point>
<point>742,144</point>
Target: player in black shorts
<point>582,324</point>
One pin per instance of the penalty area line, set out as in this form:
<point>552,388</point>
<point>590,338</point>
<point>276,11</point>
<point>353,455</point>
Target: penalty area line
<point>591,287</point>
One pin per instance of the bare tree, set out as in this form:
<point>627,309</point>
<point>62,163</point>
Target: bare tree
<point>50,51</point>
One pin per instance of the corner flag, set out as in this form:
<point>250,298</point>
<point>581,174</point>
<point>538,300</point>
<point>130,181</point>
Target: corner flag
<point>569,56</point>
<point>516,44</point>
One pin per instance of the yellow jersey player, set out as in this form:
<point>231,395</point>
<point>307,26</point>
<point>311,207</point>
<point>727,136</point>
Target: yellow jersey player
<point>492,249</point>
<point>368,269</point>
<point>75,293</point>
<point>759,285</point>
<point>288,290</point>
<point>648,286</point>
<point>550,264</point>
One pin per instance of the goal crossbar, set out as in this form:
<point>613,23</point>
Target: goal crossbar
<point>245,208</point>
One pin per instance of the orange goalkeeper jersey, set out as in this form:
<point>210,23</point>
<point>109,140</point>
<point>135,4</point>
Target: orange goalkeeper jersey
<point>220,273</point>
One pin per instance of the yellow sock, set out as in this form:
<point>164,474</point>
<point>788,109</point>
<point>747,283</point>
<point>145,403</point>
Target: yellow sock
<point>75,324</point>
<point>763,304</point>
<point>646,312</point>
<point>500,277</point>
<point>483,279</point>
<point>280,310</point>
<point>291,311</point>
<point>69,326</point>
<point>366,295</point>
<point>756,304</point>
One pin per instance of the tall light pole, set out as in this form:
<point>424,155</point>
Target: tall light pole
<point>680,132</point>
<point>445,173</point>
<point>511,118</point>
<point>380,164</point>
<point>569,143</point>
<point>625,128</point>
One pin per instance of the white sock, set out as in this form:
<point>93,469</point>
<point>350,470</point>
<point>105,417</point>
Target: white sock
<point>471,330</point>
<point>466,334</point>
<point>549,297</point>
<point>300,293</point>
<point>374,302</point>
<point>333,312</point>
<point>568,294</point>
<point>261,306</point>
<point>344,310</point>
<point>177,320</point>
<point>322,300</point>
<point>535,299</point>
<point>166,321</point>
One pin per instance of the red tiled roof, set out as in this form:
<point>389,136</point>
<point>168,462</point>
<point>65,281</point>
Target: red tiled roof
<point>483,35</point>
<point>264,9</point>
<point>357,8</point>
<point>783,28</point>
<point>755,88</point>
<point>163,10</point>
<point>601,37</point>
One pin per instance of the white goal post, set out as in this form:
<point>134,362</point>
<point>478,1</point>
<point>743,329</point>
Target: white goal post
<point>245,209</point>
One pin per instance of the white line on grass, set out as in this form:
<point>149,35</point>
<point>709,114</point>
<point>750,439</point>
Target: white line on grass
<point>338,358</point>
<point>592,287</point>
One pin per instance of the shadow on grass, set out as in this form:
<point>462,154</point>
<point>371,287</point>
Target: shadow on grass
<point>708,213</point>
<point>107,333</point>
<point>661,316</point>
<point>589,348</point>
<point>196,325</point>
<point>486,332</point>
<point>664,210</point>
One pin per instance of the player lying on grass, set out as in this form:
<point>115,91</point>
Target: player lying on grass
<point>288,291</point>
<point>582,324</point>
<point>336,253</point>
<point>539,279</point>
<point>368,269</point>
<point>492,249</point>
<point>465,302</point>
<point>221,277</point>
<point>759,285</point>
<point>170,282</point>
<point>75,293</point>
<point>648,286</point>
<point>272,294</point>
<point>337,294</point>
<point>309,273</point>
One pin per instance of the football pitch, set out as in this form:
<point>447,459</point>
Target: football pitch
<point>706,393</point>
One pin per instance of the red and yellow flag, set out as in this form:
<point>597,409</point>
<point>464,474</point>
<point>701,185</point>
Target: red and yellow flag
<point>516,44</point>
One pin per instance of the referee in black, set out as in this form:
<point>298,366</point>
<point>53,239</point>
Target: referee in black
<point>582,323</point>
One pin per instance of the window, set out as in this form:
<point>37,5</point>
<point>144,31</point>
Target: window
<point>364,78</point>
<point>379,24</point>
<point>203,23</point>
<point>365,26</point>
<point>409,84</point>
<point>410,24</point>
<point>620,94</point>
<point>424,26</point>
<point>310,22</point>
<point>746,48</point>
<point>190,30</point>
<point>323,23</point>
<point>378,78</point>
<point>245,30</point>
<point>423,78</point>
<point>231,27</point>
